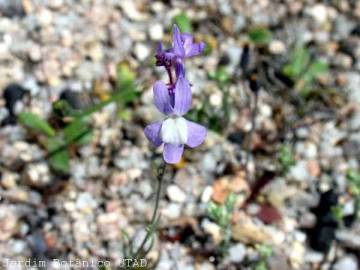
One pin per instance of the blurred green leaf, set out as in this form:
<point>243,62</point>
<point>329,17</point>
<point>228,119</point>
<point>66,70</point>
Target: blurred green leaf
<point>338,213</point>
<point>261,266</point>
<point>264,250</point>
<point>286,158</point>
<point>77,132</point>
<point>260,35</point>
<point>315,69</point>
<point>36,123</point>
<point>212,209</point>
<point>353,177</point>
<point>125,114</point>
<point>183,22</point>
<point>208,49</point>
<point>298,63</point>
<point>58,154</point>
<point>230,201</point>
<point>62,108</point>
<point>125,76</point>
<point>220,75</point>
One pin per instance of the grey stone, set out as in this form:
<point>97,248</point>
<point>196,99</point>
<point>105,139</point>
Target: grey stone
<point>346,263</point>
<point>237,253</point>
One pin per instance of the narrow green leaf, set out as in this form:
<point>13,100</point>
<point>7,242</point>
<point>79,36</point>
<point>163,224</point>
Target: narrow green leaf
<point>299,61</point>
<point>230,201</point>
<point>36,123</point>
<point>183,22</point>
<point>316,69</point>
<point>58,154</point>
<point>77,132</point>
<point>123,96</point>
<point>260,35</point>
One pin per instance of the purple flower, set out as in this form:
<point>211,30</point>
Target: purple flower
<point>183,46</point>
<point>175,131</point>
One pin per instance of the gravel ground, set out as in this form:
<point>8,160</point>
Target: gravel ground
<point>53,46</point>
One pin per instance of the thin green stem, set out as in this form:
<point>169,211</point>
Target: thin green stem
<point>154,219</point>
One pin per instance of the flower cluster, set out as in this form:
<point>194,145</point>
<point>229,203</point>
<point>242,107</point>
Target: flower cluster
<point>174,100</point>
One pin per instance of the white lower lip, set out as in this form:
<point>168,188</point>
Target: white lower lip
<point>174,131</point>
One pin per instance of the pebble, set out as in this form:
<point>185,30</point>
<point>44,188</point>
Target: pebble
<point>216,99</point>
<point>44,17</point>
<point>206,195</point>
<point>55,4</point>
<point>19,247</point>
<point>175,194</point>
<point>141,51</point>
<point>38,175</point>
<point>277,47</point>
<point>208,162</point>
<point>296,255</point>
<point>172,210</point>
<point>212,229</point>
<point>156,31</point>
<point>347,262</point>
<point>237,253</point>
<point>130,9</point>
<point>349,238</point>
<point>249,232</point>
<point>352,87</point>
<point>9,179</point>
<point>108,224</point>
<point>81,231</point>
<point>85,202</point>
<point>300,172</point>
<point>319,12</point>
<point>8,222</point>
<point>313,257</point>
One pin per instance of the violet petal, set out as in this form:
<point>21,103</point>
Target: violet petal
<point>172,153</point>
<point>182,96</point>
<point>152,133</point>
<point>162,98</point>
<point>177,43</point>
<point>194,49</point>
<point>196,134</point>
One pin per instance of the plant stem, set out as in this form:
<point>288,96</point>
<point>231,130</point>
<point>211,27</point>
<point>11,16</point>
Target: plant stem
<point>159,176</point>
<point>251,134</point>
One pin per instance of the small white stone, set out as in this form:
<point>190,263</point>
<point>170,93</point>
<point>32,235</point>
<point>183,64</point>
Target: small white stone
<point>45,17</point>
<point>8,180</point>
<point>175,194</point>
<point>346,263</point>
<point>130,9</point>
<point>213,229</point>
<point>265,110</point>
<point>299,172</point>
<point>216,99</point>
<point>277,47</point>
<point>319,12</point>
<point>172,211</point>
<point>85,202</point>
<point>156,31</point>
<point>56,3</point>
<point>141,51</point>
<point>237,253</point>
<point>206,195</point>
